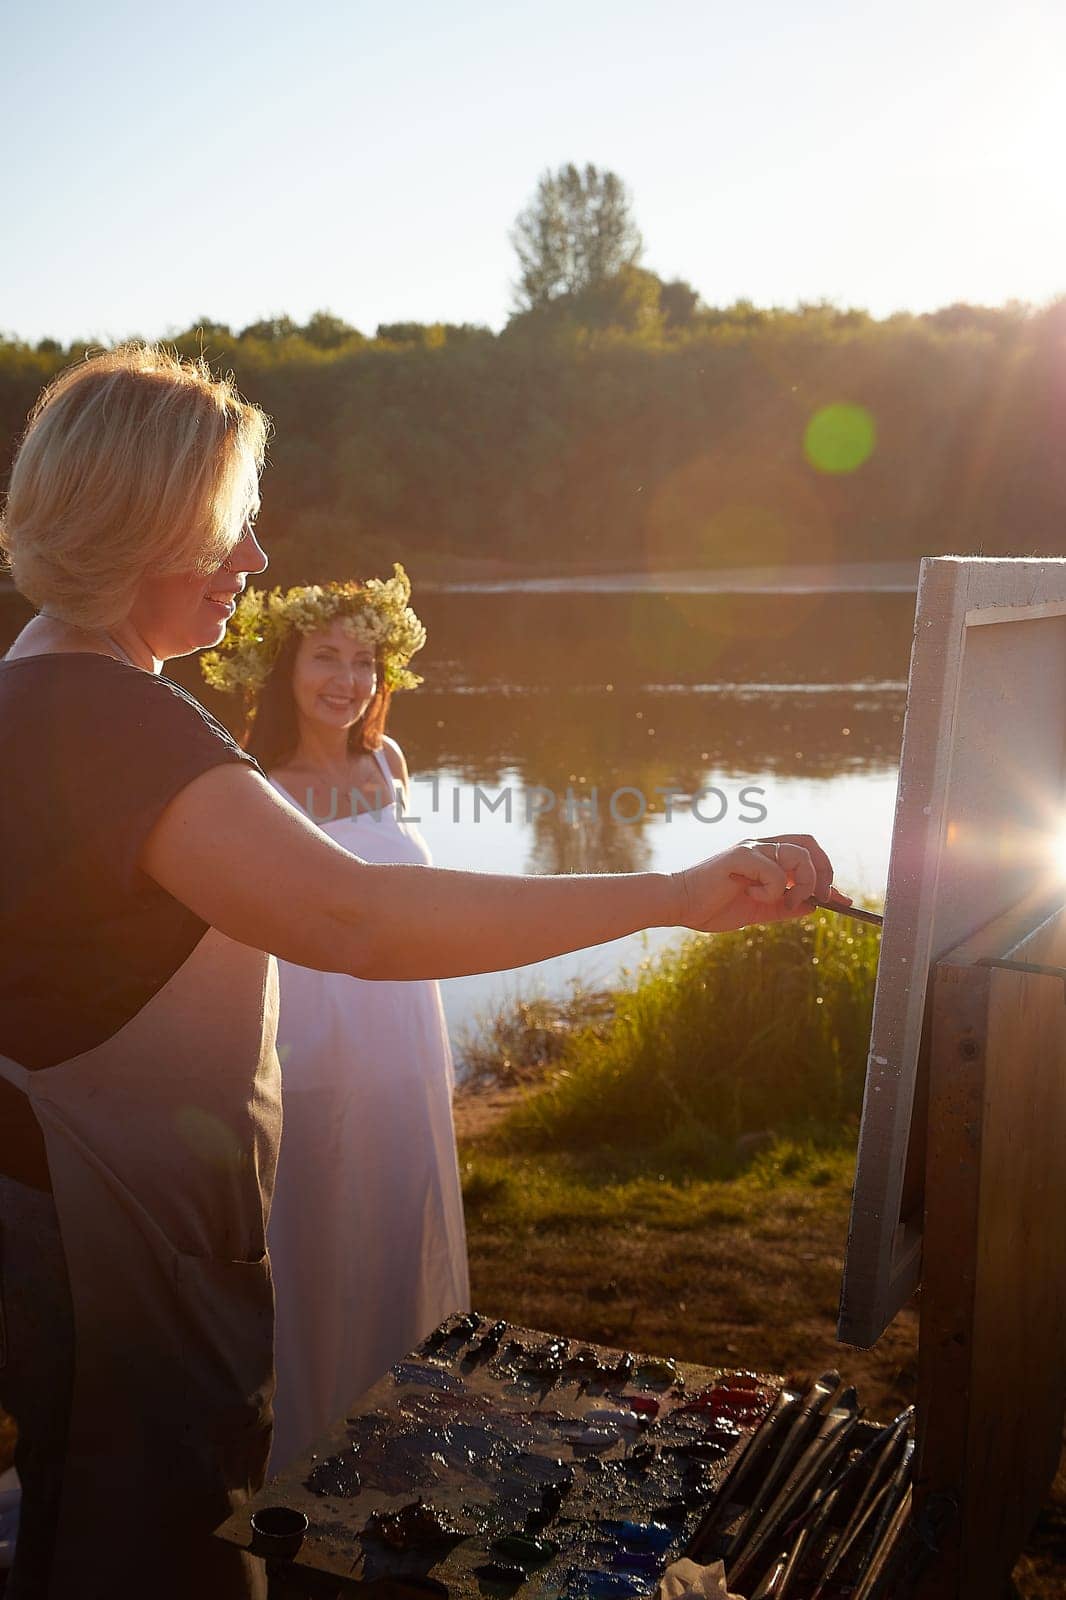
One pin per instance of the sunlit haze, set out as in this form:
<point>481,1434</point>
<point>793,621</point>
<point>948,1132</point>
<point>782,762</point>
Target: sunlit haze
<point>234,162</point>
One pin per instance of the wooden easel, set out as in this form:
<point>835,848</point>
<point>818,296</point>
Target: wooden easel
<point>992,1343</point>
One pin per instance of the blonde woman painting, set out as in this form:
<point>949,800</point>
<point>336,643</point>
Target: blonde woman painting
<point>152,874</point>
<point>366,1235</point>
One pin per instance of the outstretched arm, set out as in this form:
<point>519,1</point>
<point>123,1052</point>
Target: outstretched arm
<point>238,855</point>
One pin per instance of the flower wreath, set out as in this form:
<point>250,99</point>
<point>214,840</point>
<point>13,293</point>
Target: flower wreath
<point>376,611</point>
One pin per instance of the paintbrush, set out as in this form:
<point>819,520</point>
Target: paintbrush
<point>888,1502</point>
<point>703,1543</point>
<point>883,1450</point>
<point>819,1457</point>
<point>861,1538</point>
<point>858,1528</point>
<point>810,1537</point>
<point>770,1587</point>
<point>880,1457</point>
<point>857,912</point>
<point>842,907</point>
<point>857,1463</point>
<point>832,1436</point>
<point>872,1580</point>
<point>805,1421</point>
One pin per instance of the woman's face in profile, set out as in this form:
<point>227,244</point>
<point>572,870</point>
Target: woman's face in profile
<point>334,676</point>
<point>179,612</point>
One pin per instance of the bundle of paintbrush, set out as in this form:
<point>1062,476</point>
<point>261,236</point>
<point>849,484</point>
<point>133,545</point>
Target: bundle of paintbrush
<point>815,1507</point>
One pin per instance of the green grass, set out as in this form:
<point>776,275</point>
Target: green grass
<point>570,1193</point>
<point>761,1031</point>
<point>729,1069</point>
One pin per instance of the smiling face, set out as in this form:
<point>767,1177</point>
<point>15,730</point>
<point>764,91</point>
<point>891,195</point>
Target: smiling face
<point>176,613</point>
<point>334,677</point>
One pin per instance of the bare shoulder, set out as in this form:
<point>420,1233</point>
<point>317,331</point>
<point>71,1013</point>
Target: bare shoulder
<point>395,758</point>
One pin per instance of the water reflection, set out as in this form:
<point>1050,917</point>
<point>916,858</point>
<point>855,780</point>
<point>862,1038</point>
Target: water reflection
<point>583,836</point>
<point>596,694</point>
<point>801,697</point>
<point>633,746</point>
<point>645,736</point>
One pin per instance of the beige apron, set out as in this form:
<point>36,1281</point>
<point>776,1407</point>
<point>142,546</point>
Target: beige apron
<point>162,1144</point>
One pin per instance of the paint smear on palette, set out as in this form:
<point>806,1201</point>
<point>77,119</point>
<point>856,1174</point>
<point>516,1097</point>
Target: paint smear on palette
<point>495,1461</point>
<point>498,1462</point>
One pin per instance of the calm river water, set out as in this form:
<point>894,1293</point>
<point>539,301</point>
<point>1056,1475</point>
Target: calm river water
<point>549,726</point>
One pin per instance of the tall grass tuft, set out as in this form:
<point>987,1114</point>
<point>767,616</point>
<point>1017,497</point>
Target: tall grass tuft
<point>719,1038</point>
<point>518,1043</point>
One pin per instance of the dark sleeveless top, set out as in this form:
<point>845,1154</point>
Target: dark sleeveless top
<point>91,752</point>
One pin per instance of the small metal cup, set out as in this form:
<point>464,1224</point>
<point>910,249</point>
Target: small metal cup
<point>277,1532</point>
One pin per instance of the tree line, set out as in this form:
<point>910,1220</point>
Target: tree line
<point>617,421</point>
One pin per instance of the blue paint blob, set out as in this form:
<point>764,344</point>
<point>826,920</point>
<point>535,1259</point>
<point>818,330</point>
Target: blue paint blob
<point>639,1535</point>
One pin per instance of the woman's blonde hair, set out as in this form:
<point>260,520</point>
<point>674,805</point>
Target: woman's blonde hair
<point>133,461</point>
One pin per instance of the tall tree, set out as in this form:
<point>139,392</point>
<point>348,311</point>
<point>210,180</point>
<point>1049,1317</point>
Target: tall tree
<point>577,232</point>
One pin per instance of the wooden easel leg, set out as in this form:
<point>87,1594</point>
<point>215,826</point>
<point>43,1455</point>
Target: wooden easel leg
<point>992,1379</point>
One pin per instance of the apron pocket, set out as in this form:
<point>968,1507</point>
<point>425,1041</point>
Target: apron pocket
<point>225,1328</point>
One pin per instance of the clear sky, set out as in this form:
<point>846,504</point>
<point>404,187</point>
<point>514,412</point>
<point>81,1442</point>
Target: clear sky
<point>163,163</point>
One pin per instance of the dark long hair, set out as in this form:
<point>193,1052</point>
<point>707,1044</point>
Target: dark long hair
<point>271,732</point>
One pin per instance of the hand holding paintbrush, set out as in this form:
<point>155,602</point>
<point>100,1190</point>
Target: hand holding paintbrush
<point>781,848</point>
<point>761,881</point>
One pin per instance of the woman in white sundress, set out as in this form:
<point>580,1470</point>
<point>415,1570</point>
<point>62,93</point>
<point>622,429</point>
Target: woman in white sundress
<point>366,1232</point>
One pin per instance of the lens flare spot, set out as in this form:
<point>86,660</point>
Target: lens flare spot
<point>207,1136</point>
<point>839,438</point>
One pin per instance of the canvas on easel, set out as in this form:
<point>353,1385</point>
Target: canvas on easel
<point>979,830</point>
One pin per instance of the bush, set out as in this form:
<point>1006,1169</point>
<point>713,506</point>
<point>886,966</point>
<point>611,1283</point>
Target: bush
<point>719,1038</point>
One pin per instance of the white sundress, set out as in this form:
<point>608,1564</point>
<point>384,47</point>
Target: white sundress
<point>366,1233</point>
